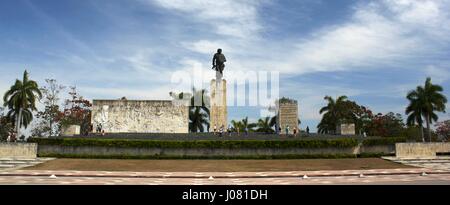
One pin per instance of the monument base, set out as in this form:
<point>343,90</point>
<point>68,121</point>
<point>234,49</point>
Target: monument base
<point>218,112</point>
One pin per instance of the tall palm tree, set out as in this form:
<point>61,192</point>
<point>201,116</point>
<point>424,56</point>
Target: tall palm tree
<point>263,125</point>
<point>199,113</point>
<point>334,112</point>
<point>414,112</point>
<point>425,101</point>
<point>21,101</point>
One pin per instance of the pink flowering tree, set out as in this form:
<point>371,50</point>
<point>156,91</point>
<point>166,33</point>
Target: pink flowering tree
<point>443,129</point>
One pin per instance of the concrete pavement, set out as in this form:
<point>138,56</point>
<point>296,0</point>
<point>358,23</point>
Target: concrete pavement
<point>378,176</point>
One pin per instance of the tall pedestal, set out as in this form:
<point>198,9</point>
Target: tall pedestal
<point>218,112</point>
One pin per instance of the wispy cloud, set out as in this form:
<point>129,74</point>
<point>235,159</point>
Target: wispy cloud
<point>378,33</point>
<point>234,18</point>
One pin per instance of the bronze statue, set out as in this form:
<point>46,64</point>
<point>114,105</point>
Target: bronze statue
<point>218,61</point>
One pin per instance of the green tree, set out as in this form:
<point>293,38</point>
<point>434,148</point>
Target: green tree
<point>361,116</point>
<point>21,101</point>
<point>335,112</point>
<point>246,124</point>
<point>414,112</point>
<point>198,119</point>
<point>198,111</point>
<point>388,125</point>
<point>5,125</point>
<point>264,125</point>
<point>237,125</point>
<point>50,114</point>
<point>426,101</point>
<point>77,111</point>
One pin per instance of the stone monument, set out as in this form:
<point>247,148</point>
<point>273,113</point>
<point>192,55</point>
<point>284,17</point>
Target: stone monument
<point>218,113</point>
<point>70,130</point>
<point>345,129</point>
<point>140,116</point>
<point>287,115</point>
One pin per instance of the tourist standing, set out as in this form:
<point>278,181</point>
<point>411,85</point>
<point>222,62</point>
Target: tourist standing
<point>307,130</point>
<point>230,128</point>
<point>295,132</point>
<point>279,131</point>
<point>287,129</point>
<point>8,139</point>
<point>215,129</point>
<point>221,131</point>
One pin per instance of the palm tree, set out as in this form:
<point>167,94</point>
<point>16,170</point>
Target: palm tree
<point>264,125</point>
<point>237,125</point>
<point>414,112</point>
<point>197,119</point>
<point>334,112</point>
<point>199,114</point>
<point>247,125</point>
<point>424,101</point>
<point>21,101</point>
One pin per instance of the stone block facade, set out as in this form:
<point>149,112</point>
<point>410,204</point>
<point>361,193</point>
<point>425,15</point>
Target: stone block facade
<point>70,130</point>
<point>345,129</point>
<point>218,112</point>
<point>18,150</point>
<point>419,150</point>
<point>288,116</point>
<point>140,116</point>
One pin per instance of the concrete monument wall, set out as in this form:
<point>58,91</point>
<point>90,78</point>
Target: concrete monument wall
<point>218,113</point>
<point>140,116</point>
<point>288,116</point>
<point>346,129</point>
<point>18,150</point>
<point>71,130</point>
<point>414,150</point>
<point>158,152</point>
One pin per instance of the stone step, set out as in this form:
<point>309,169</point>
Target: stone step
<point>7,165</point>
<point>13,162</point>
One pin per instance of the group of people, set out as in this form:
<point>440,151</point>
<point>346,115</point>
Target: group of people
<point>11,137</point>
<point>100,129</point>
<point>230,130</point>
<point>295,131</point>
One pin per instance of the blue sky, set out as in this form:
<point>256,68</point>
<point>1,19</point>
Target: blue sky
<point>372,51</point>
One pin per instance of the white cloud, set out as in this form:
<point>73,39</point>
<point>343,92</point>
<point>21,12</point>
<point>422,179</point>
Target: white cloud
<point>152,93</point>
<point>233,18</point>
<point>207,47</point>
<point>374,37</point>
<point>310,96</point>
<point>437,74</point>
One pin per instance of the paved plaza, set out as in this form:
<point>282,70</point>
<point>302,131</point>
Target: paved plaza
<point>381,176</point>
<point>423,171</point>
<point>438,162</point>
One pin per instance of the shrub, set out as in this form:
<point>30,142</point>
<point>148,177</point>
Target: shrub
<point>335,143</point>
<point>383,141</point>
<point>220,157</point>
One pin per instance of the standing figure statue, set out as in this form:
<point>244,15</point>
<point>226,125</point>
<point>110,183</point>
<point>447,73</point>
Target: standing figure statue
<point>218,61</point>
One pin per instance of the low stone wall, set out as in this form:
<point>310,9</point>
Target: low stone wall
<point>56,150</point>
<point>380,149</point>
<point>18,150</point>
<point>412,150</point>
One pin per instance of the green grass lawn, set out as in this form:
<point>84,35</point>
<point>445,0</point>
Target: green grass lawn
<point>216,165</point>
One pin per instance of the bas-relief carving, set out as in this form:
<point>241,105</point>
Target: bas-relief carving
<point>141,116</point>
